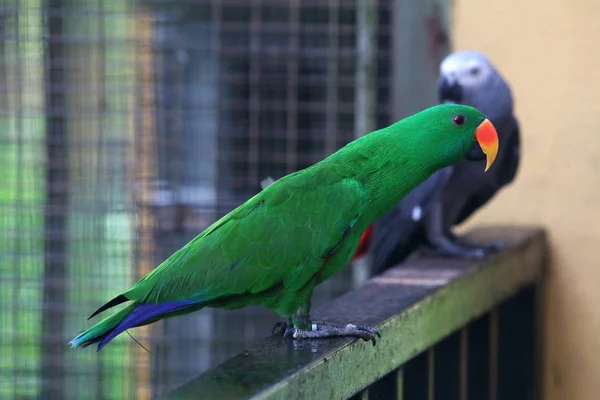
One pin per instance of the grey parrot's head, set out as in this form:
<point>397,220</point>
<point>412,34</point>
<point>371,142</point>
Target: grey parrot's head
<point>468,77</point>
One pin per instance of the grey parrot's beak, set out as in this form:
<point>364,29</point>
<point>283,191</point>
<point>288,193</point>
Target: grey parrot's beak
<point>449,90</point>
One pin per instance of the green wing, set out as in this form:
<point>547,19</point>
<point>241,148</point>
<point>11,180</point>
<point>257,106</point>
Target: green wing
<point>283,235</point>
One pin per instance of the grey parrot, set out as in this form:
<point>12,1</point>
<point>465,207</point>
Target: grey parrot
<point>427,215</point>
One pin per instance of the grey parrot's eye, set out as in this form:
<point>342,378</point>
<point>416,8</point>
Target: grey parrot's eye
<point>474,71</point>
<point>459,119</point>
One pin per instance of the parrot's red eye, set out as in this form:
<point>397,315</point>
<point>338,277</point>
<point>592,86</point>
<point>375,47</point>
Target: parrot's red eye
<point>459,119</point>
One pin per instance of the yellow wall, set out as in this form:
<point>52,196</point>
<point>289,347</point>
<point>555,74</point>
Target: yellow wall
<point>550,52</point>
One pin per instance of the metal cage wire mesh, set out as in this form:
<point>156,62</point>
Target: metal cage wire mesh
<point>126,128</point>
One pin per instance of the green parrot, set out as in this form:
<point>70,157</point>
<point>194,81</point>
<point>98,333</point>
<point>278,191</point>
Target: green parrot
<point>301,230</point>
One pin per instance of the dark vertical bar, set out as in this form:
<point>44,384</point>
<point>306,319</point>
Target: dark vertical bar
<point>291,151</point>
<point>215,51</point>
<point>538,338</point>
<point>254,105</point>
<point>478,359</point>
<point>4,80</point>
<point>431,373</point>
<point>447,368</point>
<point>516,342</point>
<point>57,200</point>
<point>416,378</point>
<point>464,363</point>
<point>398,53</point>
<point>493,393</point>
<point>364,395</point>
<point>18,196</point>
<point>332,78</point>
<point>384,387</point>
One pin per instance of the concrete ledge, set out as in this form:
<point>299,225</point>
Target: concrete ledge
<point>414,306</point>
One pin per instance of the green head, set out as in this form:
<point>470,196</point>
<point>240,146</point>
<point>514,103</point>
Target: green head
<point>452,132</point>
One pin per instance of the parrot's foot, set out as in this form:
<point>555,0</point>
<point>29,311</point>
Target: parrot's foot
<point>280,327</point>
<point>495,246</point>
<point>449,245</point>
<point>489,248</point>
<point>322,330</point>
<point>470,252</point>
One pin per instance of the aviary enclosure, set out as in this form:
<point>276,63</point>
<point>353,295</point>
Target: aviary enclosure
<point>127,127</point>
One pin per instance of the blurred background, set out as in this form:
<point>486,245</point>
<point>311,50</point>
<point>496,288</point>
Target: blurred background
<point>127,127</point>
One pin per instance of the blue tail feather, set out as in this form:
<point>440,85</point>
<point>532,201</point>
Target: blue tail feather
<point>140,314</point>
<point>129,317</point>
<point>135,314</point>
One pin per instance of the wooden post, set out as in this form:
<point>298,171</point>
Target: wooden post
<point>366,92</point>
<point>56,208</point>
<point>146,173</point>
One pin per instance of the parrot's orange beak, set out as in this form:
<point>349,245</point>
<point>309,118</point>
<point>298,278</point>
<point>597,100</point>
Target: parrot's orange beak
<point>487,138</point>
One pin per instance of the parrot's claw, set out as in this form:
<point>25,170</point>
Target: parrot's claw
<point>495,246</point>
<point>319,330</point>
<point>279,328</point>
<point>476,253</point>
<point>484,248</point>
<point>471,252</point>
<point>479,252</point>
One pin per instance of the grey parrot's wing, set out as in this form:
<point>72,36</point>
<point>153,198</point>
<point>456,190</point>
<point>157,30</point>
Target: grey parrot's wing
<point>398,233</point>
<point>510,163</point>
